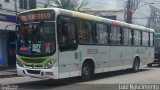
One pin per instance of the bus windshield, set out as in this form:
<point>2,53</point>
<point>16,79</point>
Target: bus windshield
<point>36,39</point>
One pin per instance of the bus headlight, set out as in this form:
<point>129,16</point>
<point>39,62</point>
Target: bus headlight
<point>19,63</point>
<point>50,64</point>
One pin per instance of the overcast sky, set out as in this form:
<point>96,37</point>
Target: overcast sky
<point>142,14</point>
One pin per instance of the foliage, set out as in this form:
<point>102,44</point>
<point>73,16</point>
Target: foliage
<point>74,5</point>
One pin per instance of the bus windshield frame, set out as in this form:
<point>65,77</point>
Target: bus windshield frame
<point>36,34</point>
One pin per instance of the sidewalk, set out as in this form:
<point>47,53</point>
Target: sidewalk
<point>8,72</point>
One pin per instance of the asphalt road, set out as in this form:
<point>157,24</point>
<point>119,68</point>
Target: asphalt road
<point>104,81</point>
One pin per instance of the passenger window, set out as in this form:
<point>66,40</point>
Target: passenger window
<point>115,35</point>
<point>85,32</point>
<point>151,39</point>
<point>145,38</point>
<point>126,36</point>
<point>101,34</point>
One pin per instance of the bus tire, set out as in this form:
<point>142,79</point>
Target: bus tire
<point>136,65</point>
<point>87,72</point>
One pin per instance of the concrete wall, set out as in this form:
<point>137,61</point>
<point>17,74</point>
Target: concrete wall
<point>11,4</point>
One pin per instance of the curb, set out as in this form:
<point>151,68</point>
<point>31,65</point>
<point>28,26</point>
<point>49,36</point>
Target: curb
<point>8,76</point>
<point>8,73</point>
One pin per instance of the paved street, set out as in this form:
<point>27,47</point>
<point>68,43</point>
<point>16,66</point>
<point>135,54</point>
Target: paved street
<point>145,76</point>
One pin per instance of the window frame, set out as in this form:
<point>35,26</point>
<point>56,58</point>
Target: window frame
<point>70,46</point>
<point>106,31</point>
<point>27,4</point>
<point>117,41</point>
<point>7,1</point>
<point>92,32</point>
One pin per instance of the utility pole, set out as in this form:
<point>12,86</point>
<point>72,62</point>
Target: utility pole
<point>60,4</point>
<point>28,4</point>
<point>15,8</point>
<point>48,2</point>
<point>129,11</point>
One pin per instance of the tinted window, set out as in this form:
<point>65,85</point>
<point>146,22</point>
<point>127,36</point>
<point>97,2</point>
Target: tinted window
<point>126,36</point>
<point>27,4</point>
<point>115,35</point>
<point>152,39</point>
<point>67,33</point>
<point>6,0</point>
<point>101,34</point>
<point>85,32</point>
<point>23,4</point>
<point>129,37</point>
<point>32,4</point>
<point>145,38</point>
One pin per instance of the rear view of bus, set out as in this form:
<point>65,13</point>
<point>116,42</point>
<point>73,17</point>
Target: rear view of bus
<point>36,44</point>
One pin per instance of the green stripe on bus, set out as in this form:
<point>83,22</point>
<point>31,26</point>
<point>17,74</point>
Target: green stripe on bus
<point>80,56</point>
<point>45,62</point>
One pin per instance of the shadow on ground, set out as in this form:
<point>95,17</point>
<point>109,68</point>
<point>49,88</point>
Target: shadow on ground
<point>155,66</point>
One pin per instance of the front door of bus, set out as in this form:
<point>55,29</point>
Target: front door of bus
<point>67,46</point>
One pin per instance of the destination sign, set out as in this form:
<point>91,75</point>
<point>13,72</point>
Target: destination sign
<point>36,16</point>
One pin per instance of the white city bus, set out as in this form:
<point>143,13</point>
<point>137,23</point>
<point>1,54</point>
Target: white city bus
<point>58,43</point>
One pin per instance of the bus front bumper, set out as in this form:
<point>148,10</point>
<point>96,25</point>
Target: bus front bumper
<point>38,73</point>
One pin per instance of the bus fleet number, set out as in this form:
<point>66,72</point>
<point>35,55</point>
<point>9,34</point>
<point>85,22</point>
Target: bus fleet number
<point>92,51</point>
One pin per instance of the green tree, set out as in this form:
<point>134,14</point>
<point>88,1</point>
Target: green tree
<point>74,5</point>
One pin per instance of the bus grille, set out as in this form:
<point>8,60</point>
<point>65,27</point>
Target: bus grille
<point>33,71</point>
<point>37,62</point>
<point>33,60</point>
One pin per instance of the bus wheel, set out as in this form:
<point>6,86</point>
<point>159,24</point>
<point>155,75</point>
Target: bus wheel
<point>87,72</point>
<point>136,64</point>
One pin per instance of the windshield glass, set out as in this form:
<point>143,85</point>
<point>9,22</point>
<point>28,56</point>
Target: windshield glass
<point>36,39</point>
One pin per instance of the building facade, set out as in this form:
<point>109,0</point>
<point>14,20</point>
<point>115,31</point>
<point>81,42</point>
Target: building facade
<point>111,14</point>
<point>121,9</point>
<point>154,19</point>
<point>8,11</point>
